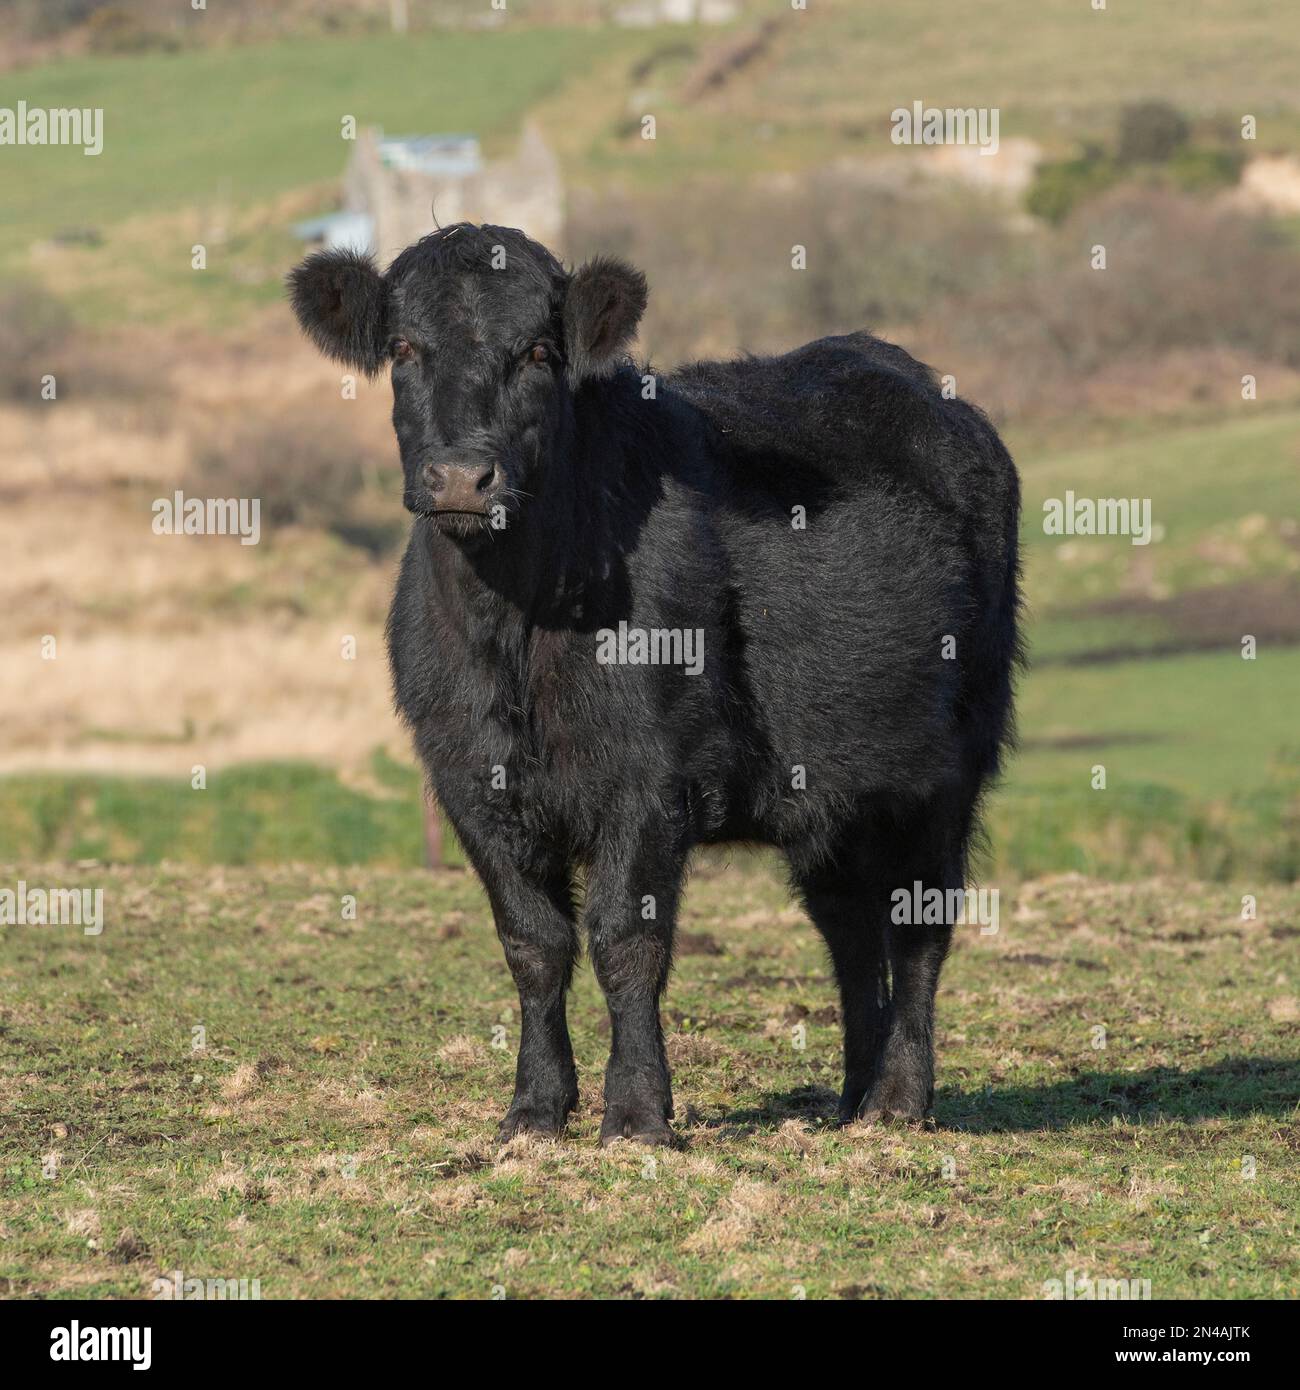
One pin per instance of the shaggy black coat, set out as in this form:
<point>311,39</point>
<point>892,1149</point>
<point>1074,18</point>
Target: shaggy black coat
<point>839,536</point>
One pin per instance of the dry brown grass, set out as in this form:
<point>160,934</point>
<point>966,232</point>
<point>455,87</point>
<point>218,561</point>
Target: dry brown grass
<point>173,650</point>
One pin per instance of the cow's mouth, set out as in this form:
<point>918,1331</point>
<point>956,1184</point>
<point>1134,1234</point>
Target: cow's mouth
<point>425,507</point>
<point>458,523</point>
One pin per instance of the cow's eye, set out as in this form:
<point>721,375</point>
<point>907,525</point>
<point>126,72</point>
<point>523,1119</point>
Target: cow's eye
<point>539,353</point>
<point>402,350</point>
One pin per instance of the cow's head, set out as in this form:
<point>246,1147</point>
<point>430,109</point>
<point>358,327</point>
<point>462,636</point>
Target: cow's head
<point>487,337</point>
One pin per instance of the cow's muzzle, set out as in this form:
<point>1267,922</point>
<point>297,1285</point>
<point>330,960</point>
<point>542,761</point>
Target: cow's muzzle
<point>465,488</point>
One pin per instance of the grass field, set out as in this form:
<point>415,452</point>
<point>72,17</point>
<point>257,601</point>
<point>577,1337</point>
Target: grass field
<point>1225,513</point>
<point>219,137</point>
<point>242,1078</point>
<point>229,145</point>
<point>266,119</point>
<point>837,69</point>
<point>252,814</point>
<point>335,1134</point>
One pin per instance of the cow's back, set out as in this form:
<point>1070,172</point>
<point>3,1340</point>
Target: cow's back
<point>870,526</point>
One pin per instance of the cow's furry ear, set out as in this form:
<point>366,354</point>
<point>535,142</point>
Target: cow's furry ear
<point>341,301</point>
<point>603,304</point>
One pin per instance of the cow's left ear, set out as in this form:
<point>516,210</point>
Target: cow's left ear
<point>603,304</point>
<point>341,302</point>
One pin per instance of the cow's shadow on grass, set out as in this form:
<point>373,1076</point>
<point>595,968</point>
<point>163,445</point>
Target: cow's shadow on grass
<point>1234,1087</point>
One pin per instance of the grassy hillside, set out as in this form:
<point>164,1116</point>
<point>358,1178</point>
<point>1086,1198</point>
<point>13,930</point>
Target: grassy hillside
<point>1056,71</point>
<point>254,813</point>
<point>334,1136</point>
<point>1137,661</point>
<point>235,139</point>
<point>254,122</point>
<point>218,138</point>
<point>1225,508</point>
<point>179,654</point>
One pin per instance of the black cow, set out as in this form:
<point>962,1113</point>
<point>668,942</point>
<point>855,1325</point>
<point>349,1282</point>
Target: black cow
<point>769,600</point>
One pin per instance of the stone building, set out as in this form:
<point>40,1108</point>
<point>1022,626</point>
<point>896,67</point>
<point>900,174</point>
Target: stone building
<point>396,189</point>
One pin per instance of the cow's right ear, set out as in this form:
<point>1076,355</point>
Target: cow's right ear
<point>341,302</point>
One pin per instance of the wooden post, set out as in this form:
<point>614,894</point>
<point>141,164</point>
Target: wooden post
<point>432,833</point>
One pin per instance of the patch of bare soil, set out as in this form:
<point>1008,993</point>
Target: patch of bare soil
<point>1201,619</point>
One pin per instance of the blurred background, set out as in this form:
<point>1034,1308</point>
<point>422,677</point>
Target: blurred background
<point>258,132</point>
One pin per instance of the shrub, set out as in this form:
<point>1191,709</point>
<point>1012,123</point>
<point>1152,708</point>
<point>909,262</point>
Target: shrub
<point>115,29</point>
<point>879,257</point>
<point>1060,186</point>
<point>37,328</point>
<point>1181,274</point>
<point>301,468</point>
<point>1204,170</point>
<point>1153,136</point>
<point>45,18</point>
<point>1150,132</point>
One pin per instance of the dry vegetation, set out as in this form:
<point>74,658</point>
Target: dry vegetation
<point>1015,312</point>
<point>157,635</point>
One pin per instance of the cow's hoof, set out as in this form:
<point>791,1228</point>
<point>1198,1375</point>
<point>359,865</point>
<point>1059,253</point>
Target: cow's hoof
<point>878,1116</point>
<point>635,1125</point>
<point>546,1120</point>
<point>894,1102</point>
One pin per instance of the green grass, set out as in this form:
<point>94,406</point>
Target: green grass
<point>1207,724</point>
<point>234,129</point>
<point>223,134</point>
<point>336,1135</point>
<point>1225,498</point>
<point>257,813</point>
<point>1044,58</point>
<point>1199,746</point>
<point>1057,72</point>
<point>252,123</point>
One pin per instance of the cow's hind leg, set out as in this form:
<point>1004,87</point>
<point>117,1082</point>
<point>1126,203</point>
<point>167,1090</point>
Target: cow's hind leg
<point>930,851</point>
<point>849,911</point>
<point>887,969</point>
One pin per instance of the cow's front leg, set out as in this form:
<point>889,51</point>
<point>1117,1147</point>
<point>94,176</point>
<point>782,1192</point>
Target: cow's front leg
<point>632,892</point>
<point>532,902</point>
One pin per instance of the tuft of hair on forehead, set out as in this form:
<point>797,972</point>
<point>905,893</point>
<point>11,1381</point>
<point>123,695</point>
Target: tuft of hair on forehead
<point>466,248</point>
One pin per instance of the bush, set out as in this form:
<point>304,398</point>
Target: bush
<point>1181,275</point>
<point>1152,141</point>
<point>1150,132</point>
<point>114,29</point>
<point>301,468</point>
<point>36,331</point>
<point>1204,170</point>
<point>43,19</point>
<point>1059,187</point>
<point>879,257</point>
